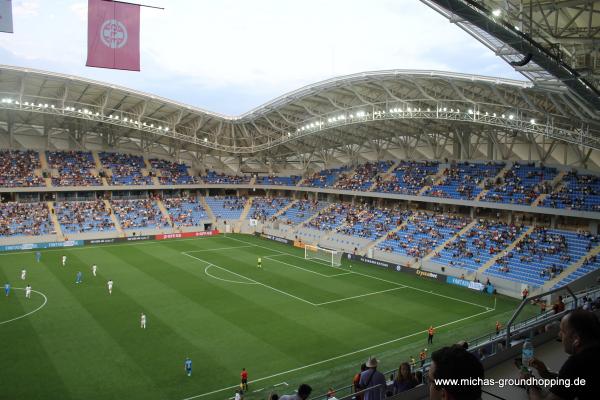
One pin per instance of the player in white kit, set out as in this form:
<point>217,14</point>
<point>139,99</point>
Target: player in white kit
<point>28,291</point>
<point>109,284</point>
<point>143,321</point>
<point>94,268</point>
<point>23,274</point>
<point>64,260</point>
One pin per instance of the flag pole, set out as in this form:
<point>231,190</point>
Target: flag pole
<point>135,4</point>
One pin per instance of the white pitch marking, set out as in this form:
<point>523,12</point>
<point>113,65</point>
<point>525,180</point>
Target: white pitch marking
<point>360,295</point>
<point>222,279</point>
<point>336,357</point>
<point>30,312</point>
<point>304,269</point>
<point>384,280</point>
<point>252,280</point>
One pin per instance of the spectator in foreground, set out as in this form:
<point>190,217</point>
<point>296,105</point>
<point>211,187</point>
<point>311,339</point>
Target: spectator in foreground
<point>303,392</point>
<point>404,379</point>
<point>454,362</point>
<point>580,336</point>
<point>371,378</point>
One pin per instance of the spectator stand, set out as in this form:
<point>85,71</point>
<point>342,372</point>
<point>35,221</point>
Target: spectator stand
<point>171,173</point>
<point>139,214</point>
<point>361,178</point>
<point>125,169</point>
<point>83,217</point>
<point>185,211</point>
<point>274,180</point>
<point>72,168</point>
<point>409,177</point>
<point>576,192</point>
<point>324,178</point>
<point>522,184</point>
<point>463,180</point>
<point>20,168</point>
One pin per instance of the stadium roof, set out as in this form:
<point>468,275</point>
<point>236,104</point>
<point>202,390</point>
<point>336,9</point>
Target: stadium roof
<point>366,108</point>
<point>551,42</point>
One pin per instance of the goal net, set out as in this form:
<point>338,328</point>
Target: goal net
<point>331,257</point>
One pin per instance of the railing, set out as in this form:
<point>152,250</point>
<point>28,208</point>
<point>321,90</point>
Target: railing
<point>492,340</point>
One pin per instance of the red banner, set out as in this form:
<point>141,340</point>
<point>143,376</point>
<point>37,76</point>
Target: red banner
<point>186,235</point>
<point>113,35</point>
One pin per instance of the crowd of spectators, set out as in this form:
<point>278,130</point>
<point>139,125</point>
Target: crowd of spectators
<point>522,184</point>
<point>17,168</point>
<point>74,168</point>
<point>139,214</point>
<point>171,173</point>
<point>361,177</point>
<point>126,169</point>
<point>263,208</point>
<point>409,177</point>
<point>185,211</point>
<point>422,233</point>
<point>83,216</point>
<point>462,180</point>
<point>26,219</point>
<point>300,211</point>
<point>278,180</point>
<point>324,178</point>
<point>482,242</point>
<point>370,222</point>
<point>214,177</point>
<point>578,192</point>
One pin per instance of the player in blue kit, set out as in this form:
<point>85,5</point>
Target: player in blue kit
<point>188,366</point>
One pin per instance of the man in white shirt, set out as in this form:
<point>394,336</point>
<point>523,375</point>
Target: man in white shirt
<point>94,268</point>
<point>23,274</point>
<point>64,260</point>
<point>109,284</point>
<point>28,291</point>
<point>143,321</point>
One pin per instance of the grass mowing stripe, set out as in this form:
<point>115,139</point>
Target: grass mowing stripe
<point>337,357</point>
<point>385,280</point>
<point>252,280</point>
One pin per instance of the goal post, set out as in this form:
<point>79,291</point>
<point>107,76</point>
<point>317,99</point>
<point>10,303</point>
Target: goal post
<point>332,257</point>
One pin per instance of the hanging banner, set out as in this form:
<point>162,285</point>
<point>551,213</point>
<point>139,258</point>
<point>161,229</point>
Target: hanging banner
<point>113,35</point>
<point>6,22</point>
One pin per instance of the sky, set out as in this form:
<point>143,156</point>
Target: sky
<point>230,56</point>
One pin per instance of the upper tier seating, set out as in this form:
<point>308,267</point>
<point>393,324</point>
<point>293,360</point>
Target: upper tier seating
<point>17,168</point>
<point>73,168</point>
<point>409,177</point>
<point>579,192</point>
<point>171,173</point>
<point>263,208</point>
<point>83,217</point>
<point>139,214</point>
<point>185,211</point>
<point>478,245</point>
<point>461,181</point>
<point>301,210</point>
<point>522,184</point>
<point>226,207</point>
<point>213,177</point>
<point>362,177</point>
<point>126,169</point>
<point>422,234</point>
<point>24,219</point>
<point>324,178</point>
<point>278,180</point>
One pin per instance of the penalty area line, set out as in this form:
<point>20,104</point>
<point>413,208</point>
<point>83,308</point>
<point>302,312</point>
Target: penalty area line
<point>337,357</point>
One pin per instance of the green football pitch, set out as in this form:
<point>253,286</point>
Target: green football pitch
<point>292,321</point>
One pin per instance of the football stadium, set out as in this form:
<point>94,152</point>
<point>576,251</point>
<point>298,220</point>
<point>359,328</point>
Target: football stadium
<point>151,249</point>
